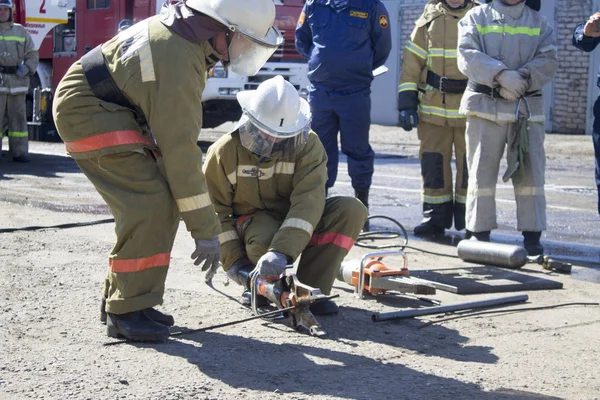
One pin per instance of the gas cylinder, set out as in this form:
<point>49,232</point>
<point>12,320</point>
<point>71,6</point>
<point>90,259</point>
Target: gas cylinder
<point>498,254</point>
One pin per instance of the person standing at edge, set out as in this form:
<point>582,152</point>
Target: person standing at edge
<point>18,61</point>
<point>344,41</point>
<point>586,37</point>
<point>130,113</point>
<point>429,94</point>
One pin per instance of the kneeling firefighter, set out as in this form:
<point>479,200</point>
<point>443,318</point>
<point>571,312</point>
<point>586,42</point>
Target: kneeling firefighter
<point>129,113</point>
<point>429,94</point>
<point>267,182</point>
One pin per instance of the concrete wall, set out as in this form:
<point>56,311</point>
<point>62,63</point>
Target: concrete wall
<point>569,98</point>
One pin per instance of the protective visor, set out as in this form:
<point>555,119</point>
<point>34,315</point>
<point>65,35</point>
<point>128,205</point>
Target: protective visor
<point>247,54</point>
<point>259,141</point>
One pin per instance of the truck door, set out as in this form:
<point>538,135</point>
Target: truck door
<point>97,21</point>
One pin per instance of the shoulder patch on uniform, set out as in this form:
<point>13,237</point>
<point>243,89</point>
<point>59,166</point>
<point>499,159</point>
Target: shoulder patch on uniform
<point>359,14</point>
<point>301,18</point>
<point>383,21</point>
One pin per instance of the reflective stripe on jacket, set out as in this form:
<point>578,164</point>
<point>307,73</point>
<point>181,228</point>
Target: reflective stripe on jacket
<point>16,46</point>
<point>494,38</point>
<point>241,183</point>
<point>432,47</point>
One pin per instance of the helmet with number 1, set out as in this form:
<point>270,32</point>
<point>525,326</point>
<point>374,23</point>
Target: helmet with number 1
<point>275,119</point>
<point>253,35</point>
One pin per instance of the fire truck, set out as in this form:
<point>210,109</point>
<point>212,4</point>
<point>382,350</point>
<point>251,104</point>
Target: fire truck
<point>64,30</point>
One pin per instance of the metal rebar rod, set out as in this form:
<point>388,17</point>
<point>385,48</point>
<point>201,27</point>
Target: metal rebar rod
<point>443,309</point>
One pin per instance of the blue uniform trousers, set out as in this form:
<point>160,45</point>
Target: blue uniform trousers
<point>596,140</point>
<point>349,114</point>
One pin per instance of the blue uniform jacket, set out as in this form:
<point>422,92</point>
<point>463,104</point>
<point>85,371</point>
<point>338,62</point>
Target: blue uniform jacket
<point>343,41</point>
<point>583,42</point>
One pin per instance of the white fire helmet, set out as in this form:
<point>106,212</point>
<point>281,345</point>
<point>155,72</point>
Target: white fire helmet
<point>275,119</point>
<point>253,35</point>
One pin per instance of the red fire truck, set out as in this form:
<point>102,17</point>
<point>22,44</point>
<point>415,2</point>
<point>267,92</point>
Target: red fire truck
<point>64,30</point>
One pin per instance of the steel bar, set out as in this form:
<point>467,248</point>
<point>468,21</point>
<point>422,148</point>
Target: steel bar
<point>385,316</point>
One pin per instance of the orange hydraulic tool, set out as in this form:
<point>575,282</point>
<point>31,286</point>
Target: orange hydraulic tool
<point>373,277</point>
<point>288,291</point>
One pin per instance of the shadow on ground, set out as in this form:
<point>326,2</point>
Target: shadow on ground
<point>43,165</point>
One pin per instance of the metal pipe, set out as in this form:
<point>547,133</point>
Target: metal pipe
<point>443,309</point>
<point>498,254</point>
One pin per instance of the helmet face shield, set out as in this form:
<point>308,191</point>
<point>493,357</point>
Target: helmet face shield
<point>266,144</point>
<point>248,54</point>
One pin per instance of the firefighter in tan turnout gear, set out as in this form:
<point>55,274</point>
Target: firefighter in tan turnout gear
<point>508,52</point>
<point>18,61</point>
<point>130,113</point>
<point>429,94</point>
<point>267,182</point>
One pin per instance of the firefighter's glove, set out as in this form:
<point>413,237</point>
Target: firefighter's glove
<point>271,264</point>
<point>233,273</point>
<point>513,83</point>
<point>408,119</point>
<point>208,254</point>
<point>22,70</point>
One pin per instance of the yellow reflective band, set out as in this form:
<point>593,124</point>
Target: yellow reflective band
<point>228,236</point>
<point>437,199</point>
<point>232,178</point>
<point>511,30</point>
<point>193,202</point>
<point>440,112</point>
<point>298,223</point>
<point>446,53</point>
<point>460,199</point>
<point>413,48</point>
<point>46,20</point>
<point>404,87</point>
<point>482,192</point>
<point>13,38</point>
<point>18,134</point>
<point>252,171</point>
<point>529,191</point>
<point>146,64</point>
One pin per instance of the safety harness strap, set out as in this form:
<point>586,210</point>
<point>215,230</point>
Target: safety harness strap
<point>103,85</point>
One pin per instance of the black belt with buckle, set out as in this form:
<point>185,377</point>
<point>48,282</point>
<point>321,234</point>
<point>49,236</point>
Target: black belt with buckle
<point>495,92</point>
<point>446,85</point>
<point>8,70</point>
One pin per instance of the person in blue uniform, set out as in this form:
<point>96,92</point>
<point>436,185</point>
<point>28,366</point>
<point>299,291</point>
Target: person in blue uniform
<point>586,37</point>
<point>344,41</point>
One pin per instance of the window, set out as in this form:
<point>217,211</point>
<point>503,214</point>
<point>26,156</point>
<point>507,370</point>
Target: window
<point>98,4</point>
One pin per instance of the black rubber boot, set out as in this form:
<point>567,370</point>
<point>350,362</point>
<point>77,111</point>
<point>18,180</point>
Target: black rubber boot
<point>21,159</point>
<point>459,216</point>
<point>479,236</point>
<point>428,228</point>
<point>324,308</point>
<point>531,242</point>
<point>160,317</point>
<point>135,326</point>
<point>363,196</point>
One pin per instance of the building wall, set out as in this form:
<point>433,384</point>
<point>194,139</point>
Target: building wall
<point>569,106</point>
<point>571,82</point>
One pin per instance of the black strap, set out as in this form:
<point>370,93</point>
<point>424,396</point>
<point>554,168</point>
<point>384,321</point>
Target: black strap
<point>446,85</point>
<point>103,85</point>
<point>494,92</point>
<point>8,70</point>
